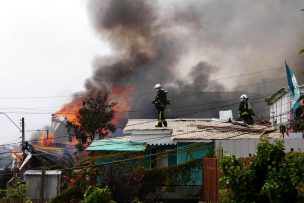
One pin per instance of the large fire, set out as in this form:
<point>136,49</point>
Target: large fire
<point>124,102</point>
<point>46,140</point>
<point>119,96</point>
<point>70,110</point>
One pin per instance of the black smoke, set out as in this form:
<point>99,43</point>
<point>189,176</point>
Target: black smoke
<point>192,48</point>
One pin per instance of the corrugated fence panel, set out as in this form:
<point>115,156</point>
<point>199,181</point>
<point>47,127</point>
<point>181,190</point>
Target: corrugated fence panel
<point>211,175</point>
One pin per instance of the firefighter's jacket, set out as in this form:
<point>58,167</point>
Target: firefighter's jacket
<point>161,99</point>
<point>245,108</point>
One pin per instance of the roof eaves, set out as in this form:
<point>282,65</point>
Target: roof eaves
<point>129,146</point>
<point>276,96</point>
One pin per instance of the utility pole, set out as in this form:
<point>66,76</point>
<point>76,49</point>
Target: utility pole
<point>23,137</point>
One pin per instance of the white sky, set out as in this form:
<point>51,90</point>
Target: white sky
<point>47,47</point>
<point>46,50</point>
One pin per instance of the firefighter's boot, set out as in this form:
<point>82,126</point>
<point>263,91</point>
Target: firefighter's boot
<point>159,125</point>
<point>165,123</point>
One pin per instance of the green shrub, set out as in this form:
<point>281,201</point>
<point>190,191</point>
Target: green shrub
<point>272,176</point>
<point>97,195</point>
<point>69,195</point>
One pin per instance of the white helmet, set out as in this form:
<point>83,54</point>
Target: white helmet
<point>157,86</point>
<point>243,97</point>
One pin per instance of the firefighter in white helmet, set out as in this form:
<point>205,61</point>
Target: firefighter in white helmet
<point>245,110</point>
<point>161,101</point>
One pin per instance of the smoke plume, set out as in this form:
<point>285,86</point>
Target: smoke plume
<point>195,49</point>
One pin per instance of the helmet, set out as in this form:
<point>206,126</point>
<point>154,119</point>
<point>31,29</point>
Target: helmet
<point>243,97</point>
<point>157,86</point>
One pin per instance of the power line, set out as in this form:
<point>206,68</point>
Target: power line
<point>131,111</point>
<point>254,97</point>
<point>223,78</point>
<point>142,156</point>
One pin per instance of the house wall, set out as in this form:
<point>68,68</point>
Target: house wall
<point>244,147</point>
<point>105,158</point>
<point>280,110</point>
<point>189,151</point>
<point>159,156</point>
<point>162,161</point>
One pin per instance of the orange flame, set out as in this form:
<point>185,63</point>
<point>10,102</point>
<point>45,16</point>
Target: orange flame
<point>121,96</point>
<point>124,102</point>
<point>46,140</point>
<point>70,110</point>
<point>17,155</point>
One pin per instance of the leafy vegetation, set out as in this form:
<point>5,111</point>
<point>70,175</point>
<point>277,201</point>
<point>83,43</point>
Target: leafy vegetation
<point>17,190</point>
<point>94,118</point>
<point>170,176</point>
<point>97,195</point>
<point>272,176</point>
<point>126,181</point>
<point>70,195</point>
<point>92,194</point>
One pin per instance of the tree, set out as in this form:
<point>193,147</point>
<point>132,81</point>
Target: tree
<point>272,176</point>
<point>94,118</point>
<point>125,180</point>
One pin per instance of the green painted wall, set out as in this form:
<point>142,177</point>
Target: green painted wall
<point>191,151</point>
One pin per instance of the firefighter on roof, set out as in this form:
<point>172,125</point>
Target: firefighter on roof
<point>160,102</point>
<point>245,110</point>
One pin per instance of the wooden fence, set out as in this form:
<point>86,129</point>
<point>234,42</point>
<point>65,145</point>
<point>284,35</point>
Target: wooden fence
<point>211,177</point>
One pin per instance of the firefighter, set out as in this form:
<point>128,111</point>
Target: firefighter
<point>160,102</point>
<point>245,110</point>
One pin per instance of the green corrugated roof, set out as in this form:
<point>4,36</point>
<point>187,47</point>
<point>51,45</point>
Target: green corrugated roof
<point>117,146</point>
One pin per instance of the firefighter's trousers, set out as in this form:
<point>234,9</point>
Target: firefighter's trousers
<point>161,117</point>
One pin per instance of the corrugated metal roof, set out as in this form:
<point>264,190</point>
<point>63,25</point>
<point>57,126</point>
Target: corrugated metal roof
<point>116,139</point>
<point>116,146</point>
<point>198,129</point>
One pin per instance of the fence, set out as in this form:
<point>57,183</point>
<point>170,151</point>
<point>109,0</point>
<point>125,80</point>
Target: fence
<point>211,177</point>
